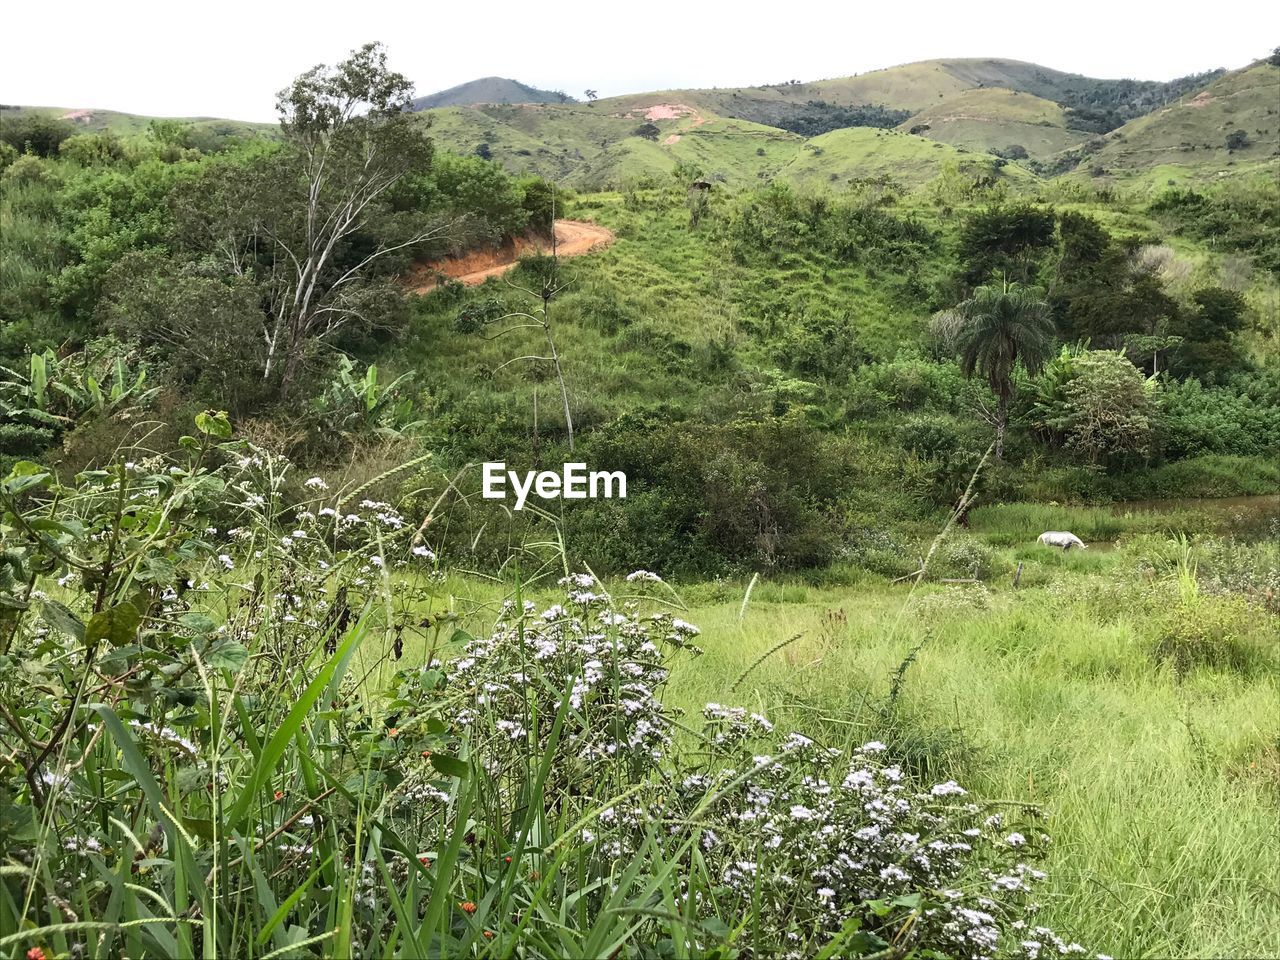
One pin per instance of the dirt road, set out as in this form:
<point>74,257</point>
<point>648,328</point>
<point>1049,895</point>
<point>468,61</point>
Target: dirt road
<point>573,238</point>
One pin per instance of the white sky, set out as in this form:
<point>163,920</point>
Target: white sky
<point>227,58</point>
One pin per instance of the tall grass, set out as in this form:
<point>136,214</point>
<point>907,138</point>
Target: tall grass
<point>1160,786</point>
<point>1007,524</point>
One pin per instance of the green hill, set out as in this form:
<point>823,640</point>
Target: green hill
<point>752,133</point>
<point>919,86</point>
<point>127,124</point>
<point>1189,139</point>
<point>838,157</point>
<point>586,146</point>
<point>987,119</point>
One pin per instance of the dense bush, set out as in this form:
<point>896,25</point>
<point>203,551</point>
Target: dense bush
<point>1239,417</point>
<point>35,133</point>
<point>1240,215</point>
<point>775,219</point>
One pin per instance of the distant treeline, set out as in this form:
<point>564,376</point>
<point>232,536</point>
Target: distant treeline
<point>816,117</point>
<point>1100,106</point>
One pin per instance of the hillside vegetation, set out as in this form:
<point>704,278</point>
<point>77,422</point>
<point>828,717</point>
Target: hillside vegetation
<point>1048,121</point>
<point>279,677</point>
<point>1232,125</point>
<point>990,120</point>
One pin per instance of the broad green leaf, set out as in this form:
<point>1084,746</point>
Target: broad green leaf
<point>228,655</point>
<point>198,622</point>
<point>214,423</point>
<point>25,476</point>
<point>450,766</point>
<point>117,625</point>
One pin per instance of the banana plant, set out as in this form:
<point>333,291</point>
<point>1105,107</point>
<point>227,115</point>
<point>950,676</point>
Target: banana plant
<point>79,386</point>
<point>358,403</point>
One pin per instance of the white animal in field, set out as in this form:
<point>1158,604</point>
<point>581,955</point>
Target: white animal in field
<point>1060,538</point>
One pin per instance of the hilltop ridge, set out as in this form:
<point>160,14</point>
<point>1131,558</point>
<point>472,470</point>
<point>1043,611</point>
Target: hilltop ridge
<point>489,90</point>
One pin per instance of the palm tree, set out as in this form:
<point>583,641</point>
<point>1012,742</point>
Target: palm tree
<point>994,329</point>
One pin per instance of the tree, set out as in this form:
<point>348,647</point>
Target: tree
<point>1237,140</point>
<point>591,96</point>
<point>36,133</point>
<point>1209,332</point>
<point>1103,409</point>
<point>311,221</point>
<point>1004,238</point>
<point>991,332</point>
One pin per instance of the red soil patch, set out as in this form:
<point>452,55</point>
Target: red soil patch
<point>573,239</point>
<point>668,111</point>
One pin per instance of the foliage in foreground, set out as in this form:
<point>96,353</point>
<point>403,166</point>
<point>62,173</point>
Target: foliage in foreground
<point>206,749</point>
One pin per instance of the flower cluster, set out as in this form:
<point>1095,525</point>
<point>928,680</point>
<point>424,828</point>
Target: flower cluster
<point>599,663</point>
<point>822,837</point>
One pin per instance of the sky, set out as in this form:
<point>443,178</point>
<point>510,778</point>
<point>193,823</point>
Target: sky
<point>228,58</point>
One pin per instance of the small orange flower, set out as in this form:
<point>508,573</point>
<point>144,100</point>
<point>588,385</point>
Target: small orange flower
<point>279,795</point>
<point>393,732</point>
<point>467,906</point>
<point>506,859</point>
<point>424,861</point>
<point>35,953</point>
<point>488,934</point>
<point>425,754</point>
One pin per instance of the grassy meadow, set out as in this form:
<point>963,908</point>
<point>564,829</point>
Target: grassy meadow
<point>1099,689</point>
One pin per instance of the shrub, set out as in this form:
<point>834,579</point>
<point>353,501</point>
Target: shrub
<point>1098,404</point>
<point>35,133</point>
<point>1211,633</point>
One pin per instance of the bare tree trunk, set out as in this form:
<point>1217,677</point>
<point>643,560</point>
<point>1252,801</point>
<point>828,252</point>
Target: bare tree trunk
<point>291,362</point>
<point>1002,421</point>
<point>564,389</point>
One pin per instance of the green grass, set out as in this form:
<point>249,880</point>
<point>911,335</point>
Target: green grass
<point>856,152</point>
<point>643,322</point>
<point>984,119</point>
<point>1160,793</point>
<point>1159,785</point>
<point>1008,524</point>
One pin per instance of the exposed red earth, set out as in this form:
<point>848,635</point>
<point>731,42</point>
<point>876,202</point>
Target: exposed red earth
<point>573,238</point>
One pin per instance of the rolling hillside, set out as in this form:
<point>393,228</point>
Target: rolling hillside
<point>835,130</point>
<point>586,147</point>
<point>1189,139</point>
<point>977,106</point>
<point>986,119</point>
<point>128,124</point>
<point>836,158</point>
<point>916,87</point>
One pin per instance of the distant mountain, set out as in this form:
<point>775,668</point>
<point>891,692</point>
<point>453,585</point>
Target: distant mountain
<point>1016,110</point>
<point>489,90</point>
